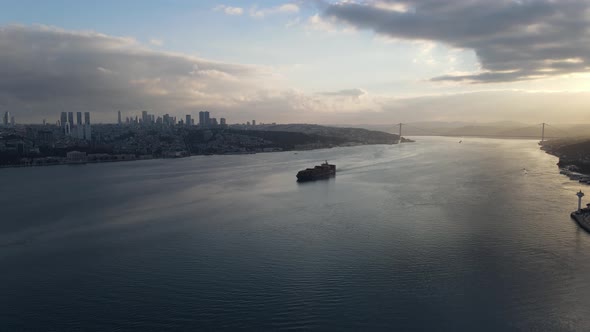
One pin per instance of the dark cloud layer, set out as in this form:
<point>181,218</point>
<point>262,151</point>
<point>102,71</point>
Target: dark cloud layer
<point>513,39</point>
<point>45,70</point>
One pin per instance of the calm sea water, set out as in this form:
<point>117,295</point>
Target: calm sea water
<point>434,235</point>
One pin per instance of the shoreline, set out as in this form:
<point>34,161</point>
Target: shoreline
<point>147,157</point>
<point>582,219</point>
<point>571,170</point>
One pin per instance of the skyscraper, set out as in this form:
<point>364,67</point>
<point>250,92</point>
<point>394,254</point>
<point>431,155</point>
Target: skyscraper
<point>144,117</point>
<point>63,119</point>
<point>188,121</point>
<point>87,132</point>
<point>204,119</point>
<point>87,118</point>
<point>78,118</point>
<point>71,118</point>
<point>6,119</point>
<point>119,117</point>
<point>222,121</point>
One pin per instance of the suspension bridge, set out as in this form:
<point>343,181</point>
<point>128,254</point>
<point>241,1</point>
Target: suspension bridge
<point>544,131</point>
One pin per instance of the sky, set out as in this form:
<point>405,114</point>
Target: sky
<point>306,61</point>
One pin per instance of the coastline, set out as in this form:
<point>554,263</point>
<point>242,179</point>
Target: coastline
<point>567,166</point>
<point>151,157</point>
<point>582,219</point>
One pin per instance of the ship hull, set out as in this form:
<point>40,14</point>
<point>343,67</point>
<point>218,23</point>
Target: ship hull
<point>304,177</point>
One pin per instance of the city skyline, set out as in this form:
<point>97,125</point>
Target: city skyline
<point>329,62</point>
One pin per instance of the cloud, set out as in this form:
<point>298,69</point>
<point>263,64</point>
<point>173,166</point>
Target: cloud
<point>355,93</point>
<point>229,10</point>
<point>289,8</point>
<point>513,40</point>
<point>45,70</point>
<point>157,42</point>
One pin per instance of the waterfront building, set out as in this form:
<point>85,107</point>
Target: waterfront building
<point>76,156</point>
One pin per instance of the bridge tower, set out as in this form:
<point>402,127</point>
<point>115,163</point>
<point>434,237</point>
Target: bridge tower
<point>400,133</point>
<point>543,133</point>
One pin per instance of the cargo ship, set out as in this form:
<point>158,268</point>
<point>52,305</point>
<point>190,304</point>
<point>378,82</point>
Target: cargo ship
<point>322,171</point>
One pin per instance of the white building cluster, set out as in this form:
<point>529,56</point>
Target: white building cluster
<point>80,130</point>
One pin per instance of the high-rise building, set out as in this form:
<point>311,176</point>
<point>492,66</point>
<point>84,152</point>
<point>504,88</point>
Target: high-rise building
<point>6,119</point>
<point>253,122</point>
<point>144,117</point>
<point>204,119</point>
<point>78,118</point>
<point>119,118</point>
<point>222,121</point>
<point>63,119</point>
<point>71,118</point>
<point>78,132</point>
<point>87,118</point>
<point>213,122</point>
<point>88,132</point>
<point>12,121</point>
<point>188,121</point>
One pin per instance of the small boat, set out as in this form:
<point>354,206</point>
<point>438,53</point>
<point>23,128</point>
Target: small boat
<point>322,171</point>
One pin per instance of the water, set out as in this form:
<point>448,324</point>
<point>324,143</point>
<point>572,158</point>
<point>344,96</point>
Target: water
<point>434,235</point>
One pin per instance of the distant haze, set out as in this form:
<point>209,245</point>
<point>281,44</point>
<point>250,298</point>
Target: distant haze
<point>327,62</point>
